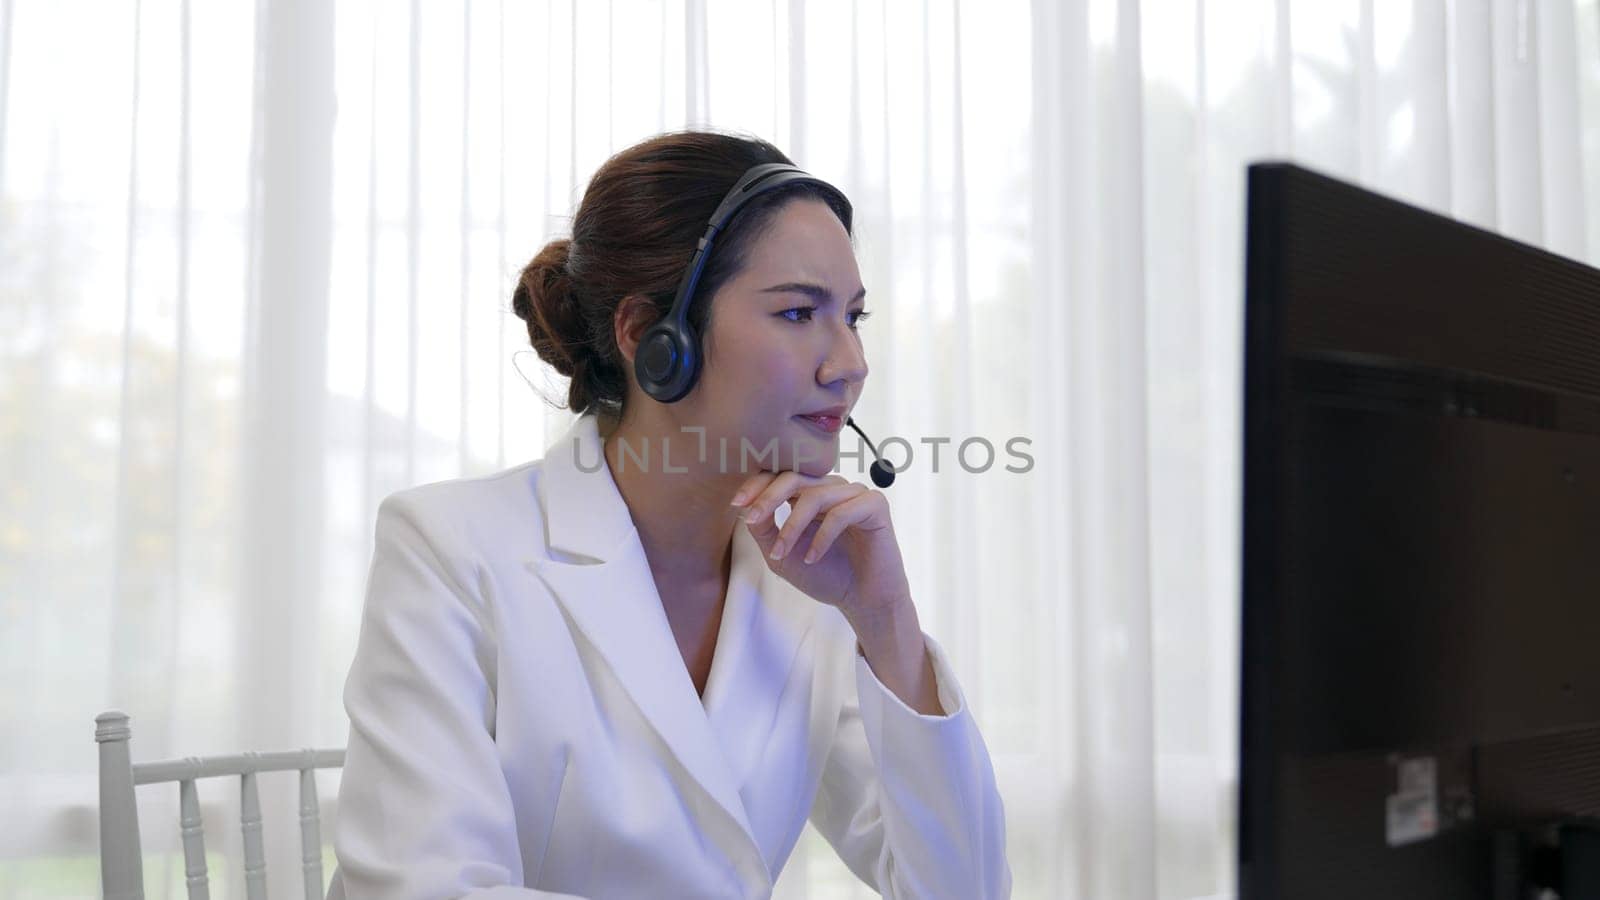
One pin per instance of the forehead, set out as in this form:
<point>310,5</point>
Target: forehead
<point>805,241</point>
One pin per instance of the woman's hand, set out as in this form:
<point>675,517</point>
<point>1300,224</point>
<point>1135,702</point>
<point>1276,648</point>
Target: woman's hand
<point>841,526</point>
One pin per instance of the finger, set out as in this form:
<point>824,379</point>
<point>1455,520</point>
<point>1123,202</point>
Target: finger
<point>863,508</point>
<point>752,487</point>
<point>758,517</point>
<point>778,490</point>
<point>791,561</point>
<point>761,510</point>
<point>765,531</point>
<point>811,502</point>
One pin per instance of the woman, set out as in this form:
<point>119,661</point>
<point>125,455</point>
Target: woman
<point>613,672</point>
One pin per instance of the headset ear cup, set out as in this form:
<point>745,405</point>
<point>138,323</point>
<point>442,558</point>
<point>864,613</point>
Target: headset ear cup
<point>656,357</point>
<point>689,371</point>
<point>667,362</point>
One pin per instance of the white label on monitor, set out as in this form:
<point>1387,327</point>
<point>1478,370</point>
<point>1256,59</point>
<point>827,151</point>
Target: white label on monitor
<point>1419,776</point>
<point>1413,811</point>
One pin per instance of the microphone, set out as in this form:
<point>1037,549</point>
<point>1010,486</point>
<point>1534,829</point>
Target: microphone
<point>882,474</point>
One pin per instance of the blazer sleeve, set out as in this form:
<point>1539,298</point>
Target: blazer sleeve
<point>424,809</point>
<point>909,800</point>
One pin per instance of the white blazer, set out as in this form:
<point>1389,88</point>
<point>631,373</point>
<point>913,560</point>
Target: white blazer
<point>522,724</point>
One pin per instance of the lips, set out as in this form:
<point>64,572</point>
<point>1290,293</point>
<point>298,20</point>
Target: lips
<point>827,423</point>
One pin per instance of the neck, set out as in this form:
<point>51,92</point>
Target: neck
<point>684,518</point>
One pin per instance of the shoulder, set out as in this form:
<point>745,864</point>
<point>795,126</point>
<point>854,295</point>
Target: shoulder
<point>467,516</point>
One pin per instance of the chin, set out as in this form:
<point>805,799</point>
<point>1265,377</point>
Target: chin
<point>821,461</point>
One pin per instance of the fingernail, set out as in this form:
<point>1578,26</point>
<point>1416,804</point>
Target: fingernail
<point>777,550</point>
<point>811,557</point>
<point>738,500</point>
<point>751,518</point>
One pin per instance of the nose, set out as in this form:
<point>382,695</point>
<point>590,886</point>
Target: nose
<point>846,359</point>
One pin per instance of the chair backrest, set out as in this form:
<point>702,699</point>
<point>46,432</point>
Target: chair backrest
<point>121,866</point>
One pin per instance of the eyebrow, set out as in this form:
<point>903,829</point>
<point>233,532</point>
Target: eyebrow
<point>815,291</point>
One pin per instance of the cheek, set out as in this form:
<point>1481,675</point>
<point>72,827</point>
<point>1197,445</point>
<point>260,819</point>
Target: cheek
<point>782,372</point>
<point>769,388</point>
<point>762,377</point>
<point>767,372</point>
<point>787,387</point>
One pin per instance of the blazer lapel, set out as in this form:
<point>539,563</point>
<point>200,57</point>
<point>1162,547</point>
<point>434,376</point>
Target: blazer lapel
<point>764,621</point>
<point>606,587</point>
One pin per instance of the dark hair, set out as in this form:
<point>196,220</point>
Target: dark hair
<point>641,218</point>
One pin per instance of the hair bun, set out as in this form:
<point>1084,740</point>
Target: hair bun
<point>546,300</point>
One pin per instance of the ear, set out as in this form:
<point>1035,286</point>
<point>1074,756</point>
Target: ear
<point>633,317</point>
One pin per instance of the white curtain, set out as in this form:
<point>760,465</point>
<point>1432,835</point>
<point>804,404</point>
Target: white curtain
<point>255,262</point>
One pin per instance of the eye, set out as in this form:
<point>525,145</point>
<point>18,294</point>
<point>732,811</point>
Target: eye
<point>859,315</point>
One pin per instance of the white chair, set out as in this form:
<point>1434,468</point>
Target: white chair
<point>121,866</point>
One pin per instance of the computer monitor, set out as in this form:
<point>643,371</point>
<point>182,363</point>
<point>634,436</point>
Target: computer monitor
<point>1420,636</point>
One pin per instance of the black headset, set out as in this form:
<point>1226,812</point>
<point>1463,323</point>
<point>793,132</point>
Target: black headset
<point>668,360</point>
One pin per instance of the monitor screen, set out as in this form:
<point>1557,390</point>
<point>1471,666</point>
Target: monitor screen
<point>1420,710</point>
